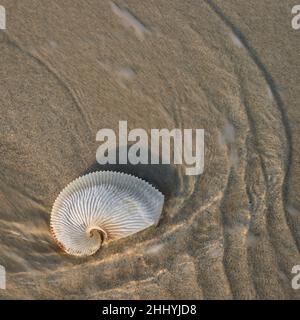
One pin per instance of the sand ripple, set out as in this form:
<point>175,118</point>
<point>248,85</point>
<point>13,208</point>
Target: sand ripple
<point>229,233</point>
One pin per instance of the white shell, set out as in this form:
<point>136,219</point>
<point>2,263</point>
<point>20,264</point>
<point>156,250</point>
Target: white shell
<point>103,205</point>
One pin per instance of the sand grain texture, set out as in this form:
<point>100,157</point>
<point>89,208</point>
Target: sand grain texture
<point>68,69</point>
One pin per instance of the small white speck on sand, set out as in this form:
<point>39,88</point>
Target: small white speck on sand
<point>124,75</point>
<point>234,157</point>
<point>228,134</point>
<point>236,40</point>
<point>53,44</point>
<point>154,249</point>
<point>292,211</point>
<point>129,20</point>
<point>270,93</point>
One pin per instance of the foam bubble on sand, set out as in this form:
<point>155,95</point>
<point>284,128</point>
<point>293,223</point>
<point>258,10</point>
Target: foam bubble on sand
<point>129,20</point>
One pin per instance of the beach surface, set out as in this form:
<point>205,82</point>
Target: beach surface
<point>70,68</point>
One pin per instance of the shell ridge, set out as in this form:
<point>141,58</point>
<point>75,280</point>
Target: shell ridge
<point>119,203</point>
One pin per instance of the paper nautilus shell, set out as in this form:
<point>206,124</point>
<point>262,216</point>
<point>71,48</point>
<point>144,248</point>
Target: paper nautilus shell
<point>103,205</point>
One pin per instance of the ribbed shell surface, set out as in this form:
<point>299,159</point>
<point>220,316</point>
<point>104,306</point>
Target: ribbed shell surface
<point>119,204</point>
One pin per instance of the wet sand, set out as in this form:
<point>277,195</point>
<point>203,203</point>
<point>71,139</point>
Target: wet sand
<point>68,69</point>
